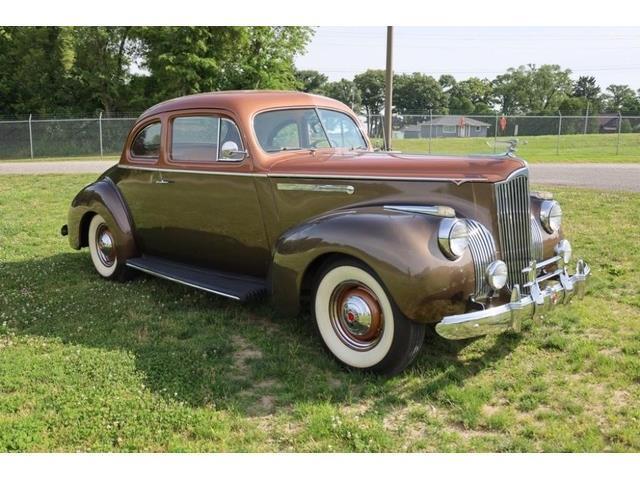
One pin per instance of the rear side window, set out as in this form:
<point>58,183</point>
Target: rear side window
<point>147,142</point>
<point>205,138</point>
<point>195,139</point>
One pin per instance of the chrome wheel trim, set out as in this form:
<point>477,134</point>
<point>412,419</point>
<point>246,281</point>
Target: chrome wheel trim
<point>356,316</point>
<point>105,245</point>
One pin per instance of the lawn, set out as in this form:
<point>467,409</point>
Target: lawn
<point>91,365</point>
<point>591,148</point>
<point>597,148</point>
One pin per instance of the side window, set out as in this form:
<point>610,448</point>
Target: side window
<point>147,142</point>
<point>231,148</point>
<point>195,139</point>
<point>341,130</point>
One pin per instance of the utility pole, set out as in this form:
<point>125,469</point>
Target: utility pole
<point>586,118</point>
<point>388,92</point>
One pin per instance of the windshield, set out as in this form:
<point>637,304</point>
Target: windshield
<point>306,128</point>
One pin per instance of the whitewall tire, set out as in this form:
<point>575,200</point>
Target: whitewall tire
<point>103,248</point>
<point>359,323</point>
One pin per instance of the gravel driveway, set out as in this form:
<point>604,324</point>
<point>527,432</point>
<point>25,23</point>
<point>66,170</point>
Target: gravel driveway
<point>601,176</point>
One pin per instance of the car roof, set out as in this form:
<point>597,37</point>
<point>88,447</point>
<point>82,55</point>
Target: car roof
<point>245,101</point>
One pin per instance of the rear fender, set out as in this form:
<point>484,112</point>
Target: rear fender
<point>104,198</point>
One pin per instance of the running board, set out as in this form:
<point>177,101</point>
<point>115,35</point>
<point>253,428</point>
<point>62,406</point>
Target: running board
<point>237,287</point>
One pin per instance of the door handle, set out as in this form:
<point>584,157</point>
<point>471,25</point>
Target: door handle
<point>162,181</point>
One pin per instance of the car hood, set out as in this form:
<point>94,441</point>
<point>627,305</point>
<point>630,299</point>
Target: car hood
<point>389,165</point>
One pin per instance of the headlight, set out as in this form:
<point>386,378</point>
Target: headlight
<point>551,215</point>
<point>496,274</point>
<point>564,250</point>
<point>453,237</point>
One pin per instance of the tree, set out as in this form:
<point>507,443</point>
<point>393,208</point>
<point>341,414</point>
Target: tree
<point>587,88</point>
<point>344,91</point>
<point>473,95</point>
<point>532,89</point>
<point>418,93</point>
<point>100,71</point>
<point>447,81</point>
<point>371,86</point>
<point>34,66</point>
<point>310,80</point>
<point>622,99</point>
<point>186,60</point>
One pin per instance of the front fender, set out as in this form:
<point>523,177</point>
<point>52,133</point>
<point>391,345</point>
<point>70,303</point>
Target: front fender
<point>401,248</point>
<point>104,198</point>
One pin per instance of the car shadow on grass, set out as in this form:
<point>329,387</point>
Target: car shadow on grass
<point>211,352</point>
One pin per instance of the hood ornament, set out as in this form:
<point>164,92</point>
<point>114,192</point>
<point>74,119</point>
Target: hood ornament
<point>513,145</point>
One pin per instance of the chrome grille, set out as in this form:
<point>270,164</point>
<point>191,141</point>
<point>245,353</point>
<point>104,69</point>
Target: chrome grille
<point>483,252</point>
<point>514,226</point>
<point>536,240</point>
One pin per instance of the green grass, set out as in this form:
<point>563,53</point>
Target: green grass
<point>63,159</point>
<point>597,148</point>
<point>91,365</point>
<point>591,148</point>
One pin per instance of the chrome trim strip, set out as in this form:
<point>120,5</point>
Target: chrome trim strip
<point>543,263</point>
<point>182,282</point>
<point>373,177</point>
<point>202,172</point>
<point>314,187</point>
<point>511,315</point>
<point>436,210</point>
<point>302,175</point>
<point>483,252</point>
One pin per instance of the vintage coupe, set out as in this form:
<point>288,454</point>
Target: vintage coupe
<point>251,192</point>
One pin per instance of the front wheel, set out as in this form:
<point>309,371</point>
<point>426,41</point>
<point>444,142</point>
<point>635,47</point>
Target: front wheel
<point>359,323</point>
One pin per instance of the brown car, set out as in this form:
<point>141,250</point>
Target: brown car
<point>252,192</point>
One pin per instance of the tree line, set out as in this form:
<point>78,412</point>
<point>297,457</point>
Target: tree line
<point>79,70</point>
<point>528,90</point>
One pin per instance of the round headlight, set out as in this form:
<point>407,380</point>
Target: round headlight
<point>453,237</point>
<point>496,274</point>
<point>551,215</point>
<point>564,250</point>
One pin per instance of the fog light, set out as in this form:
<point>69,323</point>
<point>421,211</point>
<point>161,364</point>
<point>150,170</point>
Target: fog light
<point>497,274</point>
<point>564,250</point>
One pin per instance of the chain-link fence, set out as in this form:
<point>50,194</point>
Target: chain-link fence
<point>542,137</point>
<point>37,137</point>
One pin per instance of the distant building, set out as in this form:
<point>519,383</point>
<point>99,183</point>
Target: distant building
<point>448,126</point>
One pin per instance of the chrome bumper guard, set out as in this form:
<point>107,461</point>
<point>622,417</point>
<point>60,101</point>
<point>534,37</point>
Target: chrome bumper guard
<point>558,288</point>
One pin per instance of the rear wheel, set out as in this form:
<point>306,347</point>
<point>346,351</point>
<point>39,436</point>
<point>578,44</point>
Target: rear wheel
<point>104,250</point>
<point>359,323</point>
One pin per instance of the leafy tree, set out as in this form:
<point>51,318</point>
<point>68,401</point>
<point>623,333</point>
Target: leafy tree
<point>186,60</point>
<point>310,80</point>
<point>344,91</point>
<point>586,87</point>
<point>532,89</point>
<point>623,99</point>
<point>418,92</point>
<point>447,81</point>
<point>34,66</point>
<point>371,86</point>
<point>473,95</point>
<point>100,71</point>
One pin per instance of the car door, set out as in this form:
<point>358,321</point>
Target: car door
<point>138,182</point>
<point>212,216</point>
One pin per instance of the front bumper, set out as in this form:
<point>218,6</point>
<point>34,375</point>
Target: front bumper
<point>558,288</point>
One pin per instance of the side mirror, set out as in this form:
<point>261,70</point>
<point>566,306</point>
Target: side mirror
<point>231,152</point>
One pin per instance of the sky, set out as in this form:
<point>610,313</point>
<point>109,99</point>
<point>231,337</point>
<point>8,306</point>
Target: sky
<point>611,54</point>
